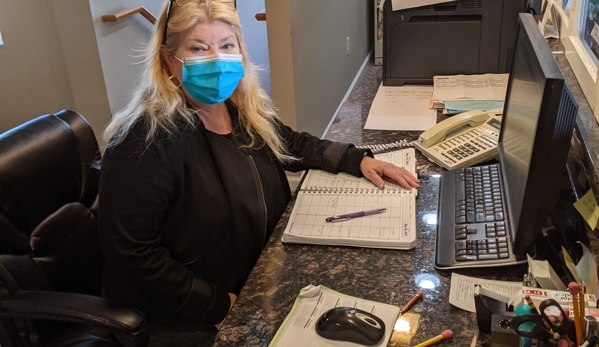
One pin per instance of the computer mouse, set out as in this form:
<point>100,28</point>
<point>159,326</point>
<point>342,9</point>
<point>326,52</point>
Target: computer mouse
<point>352,325</point>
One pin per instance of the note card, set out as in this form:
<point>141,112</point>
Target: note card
<point>298,329</point>
<point>587,207</point>
<point>570,264</point>
<point>587,269</point>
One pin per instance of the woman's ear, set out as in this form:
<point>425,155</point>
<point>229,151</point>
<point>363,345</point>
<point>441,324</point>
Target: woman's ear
<point>169,60</point>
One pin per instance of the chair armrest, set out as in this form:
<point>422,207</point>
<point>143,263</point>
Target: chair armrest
<point>72,307</point>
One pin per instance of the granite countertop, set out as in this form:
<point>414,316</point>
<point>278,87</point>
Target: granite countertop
<point>388,276</point>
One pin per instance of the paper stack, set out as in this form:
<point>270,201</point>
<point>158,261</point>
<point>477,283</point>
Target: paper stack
<point>461,93</point>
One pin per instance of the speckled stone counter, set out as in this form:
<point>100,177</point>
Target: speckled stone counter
<point>388,276</point>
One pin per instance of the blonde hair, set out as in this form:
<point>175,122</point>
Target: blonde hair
<point>159,98</point>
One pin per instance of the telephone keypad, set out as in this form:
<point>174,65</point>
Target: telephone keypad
<point>465,145</point>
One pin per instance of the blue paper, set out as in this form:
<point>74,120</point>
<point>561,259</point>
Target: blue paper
<point>455,106</point>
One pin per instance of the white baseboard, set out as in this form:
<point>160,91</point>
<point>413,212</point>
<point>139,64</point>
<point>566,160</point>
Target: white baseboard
<point>351,87</point>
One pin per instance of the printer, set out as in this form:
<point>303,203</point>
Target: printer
<point>450,38</point>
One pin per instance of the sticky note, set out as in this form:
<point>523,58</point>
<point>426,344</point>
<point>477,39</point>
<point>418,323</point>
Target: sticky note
<point>570,265</point>
<point>587,207</point>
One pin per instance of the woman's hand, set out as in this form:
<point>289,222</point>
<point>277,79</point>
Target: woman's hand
<point>233,297</point>
<point>376,170</point>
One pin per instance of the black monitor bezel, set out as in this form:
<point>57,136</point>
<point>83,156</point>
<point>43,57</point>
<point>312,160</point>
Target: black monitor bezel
<point>550,146</point>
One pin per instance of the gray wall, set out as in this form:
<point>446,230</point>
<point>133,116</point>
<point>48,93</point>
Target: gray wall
<point>120,45</point>
<point>310,69</point>
<point>81,57</point>
<point>33,71</point>
<point>50,61</point>
<point>59,54</point>
<point>256,41</point>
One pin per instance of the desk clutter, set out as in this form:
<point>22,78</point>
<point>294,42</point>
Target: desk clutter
<point>537,310</point>
<point>355,321</point>
<point>322,317</point>
<point>511,311</point>
<point>460,93</point>
<point>540,317</point>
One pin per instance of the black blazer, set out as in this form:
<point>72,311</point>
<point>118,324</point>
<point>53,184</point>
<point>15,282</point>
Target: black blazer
<point>183,221</point>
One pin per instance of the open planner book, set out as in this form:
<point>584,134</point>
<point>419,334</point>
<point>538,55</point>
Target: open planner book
<point>323,195</point>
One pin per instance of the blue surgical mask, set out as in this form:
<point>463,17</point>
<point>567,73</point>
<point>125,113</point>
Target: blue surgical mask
<point>211,79</point>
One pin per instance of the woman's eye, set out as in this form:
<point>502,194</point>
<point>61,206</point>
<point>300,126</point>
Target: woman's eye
<point>228,46</point>
<point>197,49</point>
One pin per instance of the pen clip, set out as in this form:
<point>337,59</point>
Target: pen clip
<point>335,220</point>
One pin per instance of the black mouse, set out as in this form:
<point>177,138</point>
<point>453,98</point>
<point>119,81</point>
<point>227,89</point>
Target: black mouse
<point>351,324</point>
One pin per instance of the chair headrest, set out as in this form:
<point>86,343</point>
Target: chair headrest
<point>44,164</point>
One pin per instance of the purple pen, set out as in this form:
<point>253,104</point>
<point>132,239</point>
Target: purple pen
<point>347,216</point>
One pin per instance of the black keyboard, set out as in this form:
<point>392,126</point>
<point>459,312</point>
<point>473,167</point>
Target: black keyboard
<point>478,195</point>
<point>478,227</point>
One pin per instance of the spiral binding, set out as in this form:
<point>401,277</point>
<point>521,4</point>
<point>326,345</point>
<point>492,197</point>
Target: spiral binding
<point>345,190</point>
<point>377,148</point>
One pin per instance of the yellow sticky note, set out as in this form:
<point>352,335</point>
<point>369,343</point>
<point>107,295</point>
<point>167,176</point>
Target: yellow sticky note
<point>587,207</point>
<point>570,265</point>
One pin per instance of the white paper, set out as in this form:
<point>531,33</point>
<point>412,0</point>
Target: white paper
<point>587,268</point>
<point>397,5</point>
<point>545,275</point>
<point>491,294</point>
<point>298,329</point>
<point>461,291</point>
<point>549,15</point>
<point>401,108</point>
<point>474,87</point>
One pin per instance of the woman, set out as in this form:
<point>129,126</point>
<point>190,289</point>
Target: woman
<point>192,181</point>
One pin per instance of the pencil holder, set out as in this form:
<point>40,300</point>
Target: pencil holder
<point>501,333</point>
<point>591,327</point>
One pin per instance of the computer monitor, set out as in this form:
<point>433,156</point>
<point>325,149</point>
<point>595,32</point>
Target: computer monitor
<point>536,132</point>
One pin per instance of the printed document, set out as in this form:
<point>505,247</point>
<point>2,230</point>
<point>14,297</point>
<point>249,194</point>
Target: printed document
<point>461,291</point>
<point>397,5</point>
<point>401,108</point>
<point>474,87</point>
<point>299,328</point>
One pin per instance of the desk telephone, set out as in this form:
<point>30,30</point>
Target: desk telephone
<point>462,140</point>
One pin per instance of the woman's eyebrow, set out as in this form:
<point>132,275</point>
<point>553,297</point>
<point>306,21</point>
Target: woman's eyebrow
<point>231,37</point>
<point>199,40</point>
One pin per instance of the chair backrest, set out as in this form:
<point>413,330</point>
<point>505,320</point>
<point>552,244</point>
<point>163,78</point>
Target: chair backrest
<point>48,186</point>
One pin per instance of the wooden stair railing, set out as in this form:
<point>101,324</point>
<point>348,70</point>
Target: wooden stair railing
<point>261,16</point>
<point>128,13</point>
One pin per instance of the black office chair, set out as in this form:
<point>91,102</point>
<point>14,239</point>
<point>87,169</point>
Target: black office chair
<point>50,258</point>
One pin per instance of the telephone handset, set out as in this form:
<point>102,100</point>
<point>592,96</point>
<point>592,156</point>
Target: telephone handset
<point>462,140</point>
